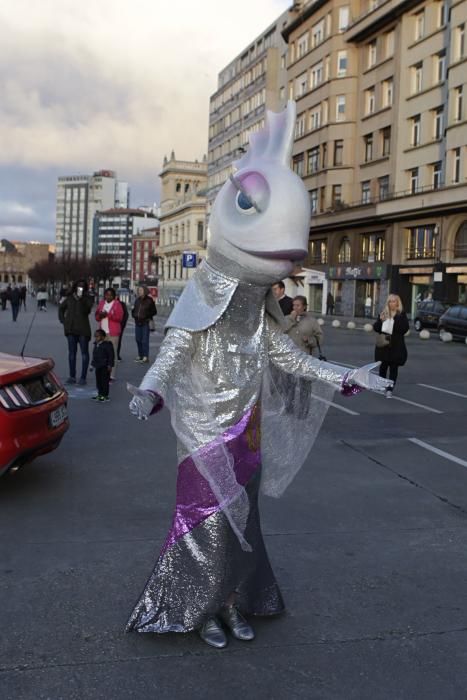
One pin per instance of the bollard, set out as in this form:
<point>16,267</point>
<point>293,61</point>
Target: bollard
<point>351,325</point>
<point>321,321</point>
<point>445,336</point>
<point>367,327</point>
<point>424,335</point>
<point>336,324</point>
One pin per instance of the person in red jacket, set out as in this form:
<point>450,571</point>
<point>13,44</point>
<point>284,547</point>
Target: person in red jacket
<point>109,315</point>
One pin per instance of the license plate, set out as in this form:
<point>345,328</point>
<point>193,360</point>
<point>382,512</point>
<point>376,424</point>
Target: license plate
<point>58,416</point>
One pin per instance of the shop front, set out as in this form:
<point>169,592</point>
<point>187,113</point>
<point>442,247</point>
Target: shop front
<point>359,290</point>
<point>416,284</point>
<point>457,276</point>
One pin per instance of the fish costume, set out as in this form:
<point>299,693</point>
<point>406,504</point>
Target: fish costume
<point>229,376</point>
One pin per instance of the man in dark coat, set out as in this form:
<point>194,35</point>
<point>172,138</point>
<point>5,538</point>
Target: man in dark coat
<point>74,312</point>
<point>143,312</point>
<point>15,301</point>
<point>285,302</point>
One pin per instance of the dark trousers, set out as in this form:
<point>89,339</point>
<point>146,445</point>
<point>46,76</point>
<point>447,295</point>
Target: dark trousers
<point>102,381</point>
<point>73,342</point>
<point>119,346</point>
<point>393,370</point>
<point>142,339</point>
<point>14,311</point>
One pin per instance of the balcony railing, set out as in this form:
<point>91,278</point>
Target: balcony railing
<point>420,253</point>
<point>318,259</point>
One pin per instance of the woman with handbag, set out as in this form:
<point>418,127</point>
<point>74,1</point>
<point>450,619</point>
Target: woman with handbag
<point>109,315</point>
<point>143,312</point>
<point>390,349</point>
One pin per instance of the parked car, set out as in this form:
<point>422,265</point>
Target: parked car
<point>33,410</point>
<point>428,313</point>
<point>454,320</point>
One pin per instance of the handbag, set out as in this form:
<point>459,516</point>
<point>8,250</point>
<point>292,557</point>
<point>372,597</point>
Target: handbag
<point>382,340</point>
<point>320,355</point>
<point>152,325</point>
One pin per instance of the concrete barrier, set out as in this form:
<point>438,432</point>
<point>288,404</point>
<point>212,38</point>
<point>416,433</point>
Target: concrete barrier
<point>424,335</point>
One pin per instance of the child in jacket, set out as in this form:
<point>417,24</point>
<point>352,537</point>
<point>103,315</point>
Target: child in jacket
<point>103,357</point>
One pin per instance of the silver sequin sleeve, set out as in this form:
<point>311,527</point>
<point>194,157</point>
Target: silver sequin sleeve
<point>288,357</point>
<point>174,353</point>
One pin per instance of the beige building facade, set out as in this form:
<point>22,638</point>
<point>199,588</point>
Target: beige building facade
<point>18,257</point>
<point>381,144</point>
<point>253,82</point>
<point>182,216</point>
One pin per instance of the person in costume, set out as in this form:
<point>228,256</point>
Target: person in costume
<point>234,436</point>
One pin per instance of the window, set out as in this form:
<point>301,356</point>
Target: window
<point>200,231</point>
<point>366,191</point>
<point>442,13</point>
<point>389,43</point>
<point>301,85</point>
<point>437,172</point>
<point>440,66</point>
<point>421,242</point>
<point>340,108</point>
<point>336,195</point>
<point>370,100</point>
<point>316,74</point>
<point>438,123</point>
<point>319,252</point>
<point>457,165</point>
<point>415,129</point>
<point>419,25</point>
<point>345,251</point>
<point>315,118</point>
<point>313,160</point>
<point>368,143</point>
<point>302,45</point>
<point>383,187</point>
<point>314,201</point>
<point>341,63</point>
<point>300,126</point>
<point>338,152</point>
<point>324,151</point>
<point>317,33</point>
<point>343,18</point>
<point>460,245</point>
<point>386,141</point>
<point>417,77</point>
<point>414,180</point>
<point>458,103</point>
<point>371,53</point>
<point>388,92</point>
<point>372,245</point>
<point>297,165</point>
<point>460,41</point>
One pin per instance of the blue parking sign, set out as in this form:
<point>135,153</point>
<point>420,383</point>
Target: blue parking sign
<point>189,260</point>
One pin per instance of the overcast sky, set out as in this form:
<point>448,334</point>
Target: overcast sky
<point>108,84</point>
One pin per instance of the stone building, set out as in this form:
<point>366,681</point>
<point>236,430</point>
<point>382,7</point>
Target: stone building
<point>18,257</point>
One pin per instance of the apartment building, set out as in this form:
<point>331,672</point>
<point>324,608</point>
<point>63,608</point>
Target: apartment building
<point>253,82</point>
<point>79,197</point>
<point>113,235</point>
<point>144,259</point>
<point>182,218</point>
<point>381,144</point>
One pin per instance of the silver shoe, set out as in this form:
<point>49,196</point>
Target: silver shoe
<point>236,623</point>
<point>213,634</point>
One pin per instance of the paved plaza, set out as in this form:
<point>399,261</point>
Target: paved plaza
<point>369,545</point>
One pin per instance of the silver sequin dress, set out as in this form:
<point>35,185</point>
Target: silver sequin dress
<point>213,382</point>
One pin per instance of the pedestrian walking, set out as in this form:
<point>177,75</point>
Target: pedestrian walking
<point>143,313</point>
<point>302,327</point>
<point>368,306</point>
<point>15,301</point>
<point>23,293</point>
<point>285,302</point>
<point>103,360</point>
<point>3,298</point>
<point>330,304</point>
<point>390,350</point>
<point>123,326</point>
<point>42,297</point>
<point>73,313</point>
<point>109,315</point>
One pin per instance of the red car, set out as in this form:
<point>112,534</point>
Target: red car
<point>33,410</point>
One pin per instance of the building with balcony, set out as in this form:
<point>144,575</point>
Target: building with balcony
<point>182,218</point>
<point>253,82</point>
<point>79,197</point>
<point>381,144</point>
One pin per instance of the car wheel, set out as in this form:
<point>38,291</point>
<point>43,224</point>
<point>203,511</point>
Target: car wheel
<point>418,324</point>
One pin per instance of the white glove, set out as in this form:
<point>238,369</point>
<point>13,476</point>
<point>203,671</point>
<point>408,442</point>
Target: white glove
<point>143,402</point>
<point>364,377</point>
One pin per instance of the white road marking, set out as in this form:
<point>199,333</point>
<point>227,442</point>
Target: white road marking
<point>446,391</point>
<point>441,453</point>
<point>336,405</point>
<point>419,405</point>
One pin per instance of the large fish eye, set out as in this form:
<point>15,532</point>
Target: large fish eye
<point>244,204</point>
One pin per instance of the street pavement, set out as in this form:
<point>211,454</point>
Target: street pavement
<point>368,545</point>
